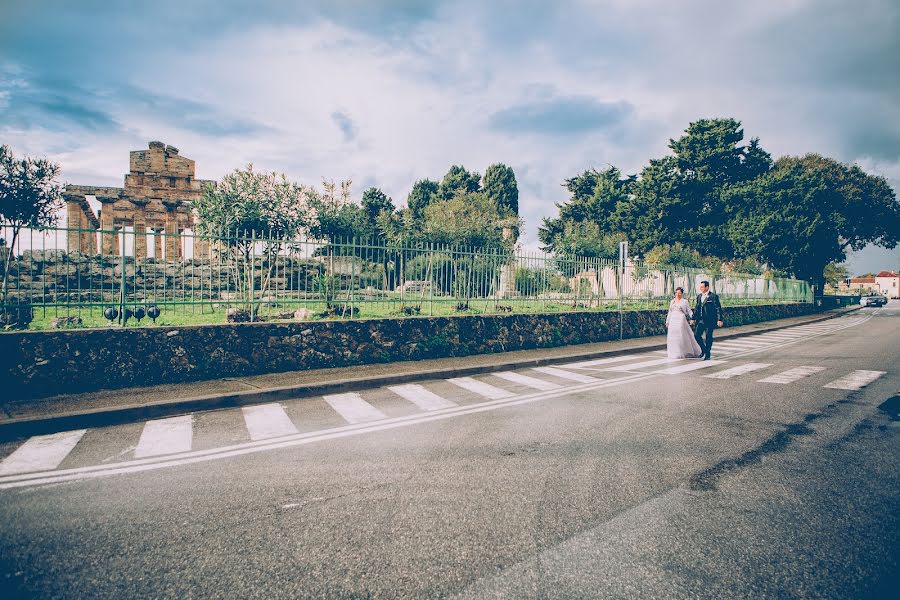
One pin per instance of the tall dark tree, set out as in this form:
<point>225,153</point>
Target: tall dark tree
<point>595,197</point>
<point>459,179</point>
<point>374,201</point>
<point>808,211</point>
<point>500,186</point>
<point>709,159</point>
<point>423,193</point>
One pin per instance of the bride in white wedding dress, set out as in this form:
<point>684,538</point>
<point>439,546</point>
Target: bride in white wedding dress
<point>680,342</point>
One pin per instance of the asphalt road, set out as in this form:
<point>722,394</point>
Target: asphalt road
<point>770,471</point>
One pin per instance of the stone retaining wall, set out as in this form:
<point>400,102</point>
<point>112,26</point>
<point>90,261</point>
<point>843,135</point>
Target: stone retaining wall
<point>43,363</point>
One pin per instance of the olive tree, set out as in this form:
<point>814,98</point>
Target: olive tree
<point>251,216</point>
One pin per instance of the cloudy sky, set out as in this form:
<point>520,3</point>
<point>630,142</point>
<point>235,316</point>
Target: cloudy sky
<point>387,92</point>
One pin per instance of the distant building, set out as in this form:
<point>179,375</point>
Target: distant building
<point>864,284</point>
<point>888,283</point>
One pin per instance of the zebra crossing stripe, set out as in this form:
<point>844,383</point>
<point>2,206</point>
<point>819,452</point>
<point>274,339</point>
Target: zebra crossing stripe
<point>421,397</point>
<point>745,343</point>
<point>792,375</point>
<point>353,408</point>
<point>729,346</point>
<point>481,388</point>
<point>855,380</point>
<point>603,361</point>
<point>165,436</point>
<point>532,382</point>
<point>41,453</point>
<point>738,370</point>
<point>691,366</point>
<point>563,374</point>
<point>267,421</point>
<point>643,365</point>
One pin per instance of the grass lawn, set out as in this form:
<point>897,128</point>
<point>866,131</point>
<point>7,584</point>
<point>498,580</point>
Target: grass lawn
<point>180,315</point>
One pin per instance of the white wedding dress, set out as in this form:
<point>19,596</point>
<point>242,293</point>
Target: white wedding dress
<point>680,342</point>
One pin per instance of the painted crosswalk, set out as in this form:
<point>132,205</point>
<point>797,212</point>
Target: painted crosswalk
<point>421,396</point>
<point>564,374</point>
<point>266,421</point>
<point>599,362</point>
<point>642,365</point>
<point>481,388</point>
<point>532,382</point>
<point>855,380</point>
<point>691,366</point>
<point>165,436</point>
<point>353,408</point>
<point>41,453</point>
<point>792,375</point>
<point>738,370</point>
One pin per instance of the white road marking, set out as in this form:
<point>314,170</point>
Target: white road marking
<point>643,365</point>
<point>691,366</point>
<point>353,408</point>
<point>746,343</point>
<point>729,346</point>
<point>563,374</point>
<point>532,382</point>
<point>603,361</point>
<point>792,375</point>
<point>855,380</point>
<point>197,456</point>
<point>738,370</point>
<point>421,397</point>
<point>481,388</point>
<point>165,436</point>
<point>267,420</point>
<point>41,453</point>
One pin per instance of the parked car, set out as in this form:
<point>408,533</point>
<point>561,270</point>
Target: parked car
<point>873,301</point>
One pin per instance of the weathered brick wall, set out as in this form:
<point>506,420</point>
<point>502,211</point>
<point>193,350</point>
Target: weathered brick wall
<point>42,363</point>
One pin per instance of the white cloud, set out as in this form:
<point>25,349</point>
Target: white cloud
<point>418,90</point>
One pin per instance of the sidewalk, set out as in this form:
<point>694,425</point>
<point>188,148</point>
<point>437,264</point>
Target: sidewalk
<point>60,413</point>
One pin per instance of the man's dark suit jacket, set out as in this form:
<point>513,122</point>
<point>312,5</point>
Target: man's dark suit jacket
<point>708,313</point>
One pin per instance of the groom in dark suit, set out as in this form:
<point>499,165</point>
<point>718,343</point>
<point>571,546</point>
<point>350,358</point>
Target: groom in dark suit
<point>707,316</point>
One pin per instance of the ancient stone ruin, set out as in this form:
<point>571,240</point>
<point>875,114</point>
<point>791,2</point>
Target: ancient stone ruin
<point>155,205</point>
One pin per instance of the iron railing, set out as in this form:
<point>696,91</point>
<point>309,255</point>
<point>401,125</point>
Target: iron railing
<point>75,275</point>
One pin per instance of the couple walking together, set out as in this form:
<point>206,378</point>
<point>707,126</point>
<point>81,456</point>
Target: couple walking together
<point>681,341</point>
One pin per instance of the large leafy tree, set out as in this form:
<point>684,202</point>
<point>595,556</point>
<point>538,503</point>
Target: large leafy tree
<point>585,223</point>
<point>459,179</point>
<point>29,197</point>
<point>252,215</point>
<point>808,211</point>
<point>500,186</point>
<point>467,219</point>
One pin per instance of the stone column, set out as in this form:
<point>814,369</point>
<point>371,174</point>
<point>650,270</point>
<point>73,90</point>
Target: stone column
<point>107,224</point>
<point>172,245</point>
<point>117,240</point>
<point>157,244</point>
<point>74,221</point>
<point>140,238</point>
<point>89,239</point>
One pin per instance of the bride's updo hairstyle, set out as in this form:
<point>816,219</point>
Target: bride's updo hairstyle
<point>680,288</point>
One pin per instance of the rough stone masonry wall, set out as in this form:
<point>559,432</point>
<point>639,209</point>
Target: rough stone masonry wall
<point>43,363</point>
